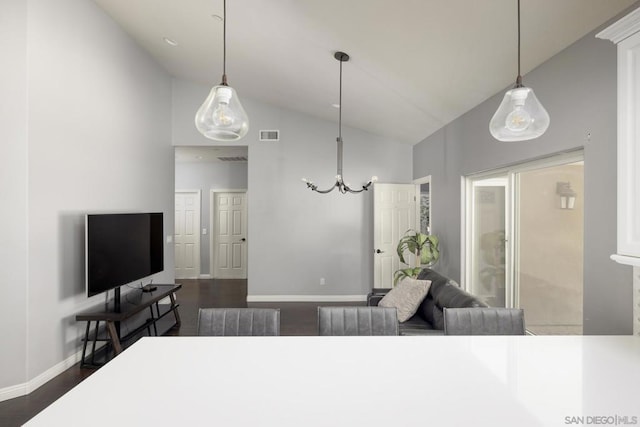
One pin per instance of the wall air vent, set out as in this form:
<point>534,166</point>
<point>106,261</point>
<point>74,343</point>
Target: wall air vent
<point>269,135</point>
<point>233,159</point>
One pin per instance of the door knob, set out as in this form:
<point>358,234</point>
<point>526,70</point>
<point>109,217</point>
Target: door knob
<point>243,240</point>
<point>378,251</point>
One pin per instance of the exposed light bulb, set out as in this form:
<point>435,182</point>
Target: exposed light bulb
<point>518,120</point>
<point>222,114</point>
<point>374,179</point>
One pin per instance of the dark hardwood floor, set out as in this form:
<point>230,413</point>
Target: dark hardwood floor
<point>295,319</point>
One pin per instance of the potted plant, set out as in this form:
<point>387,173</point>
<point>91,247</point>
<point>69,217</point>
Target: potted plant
<point>423,246</point>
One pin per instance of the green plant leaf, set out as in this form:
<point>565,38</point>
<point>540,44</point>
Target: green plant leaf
<point>406,272</point>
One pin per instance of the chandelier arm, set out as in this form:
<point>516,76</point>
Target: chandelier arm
<point>364,188</point>
<point>325,191</point>
<point>314,187</point>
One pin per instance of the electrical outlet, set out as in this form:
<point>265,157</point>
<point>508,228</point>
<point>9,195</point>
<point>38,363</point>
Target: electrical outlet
<point>322,281</point>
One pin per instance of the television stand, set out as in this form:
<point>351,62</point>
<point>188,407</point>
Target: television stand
<point>131,306</point>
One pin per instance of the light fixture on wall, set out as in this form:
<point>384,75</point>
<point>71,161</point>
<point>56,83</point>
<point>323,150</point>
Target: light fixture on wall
<point>340,184</point>
<point>221,116</point>
<point>567,195</point>
<point>520,116</point>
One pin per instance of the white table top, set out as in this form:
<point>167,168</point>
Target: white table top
<point>360,381</point>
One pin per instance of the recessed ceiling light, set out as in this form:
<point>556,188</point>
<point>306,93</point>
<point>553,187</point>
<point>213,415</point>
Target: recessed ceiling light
<point>169,41</point>
<point>217,18</point>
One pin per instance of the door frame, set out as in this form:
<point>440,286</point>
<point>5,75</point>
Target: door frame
<point>212,234</point>
<point>198,262</point>
<point>426,180</point>
<point>512,171</point>
<point>376,228</point>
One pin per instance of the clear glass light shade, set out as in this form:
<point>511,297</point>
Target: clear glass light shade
<point>221,116</point>
<point>520,117</point>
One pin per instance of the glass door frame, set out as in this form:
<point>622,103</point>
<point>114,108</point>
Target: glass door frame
<point>498,178</point>
<point>512,172</point>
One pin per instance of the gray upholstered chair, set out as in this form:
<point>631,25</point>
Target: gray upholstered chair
<point>483,321</point>
<point>357,321</point>
<point>238,322</point>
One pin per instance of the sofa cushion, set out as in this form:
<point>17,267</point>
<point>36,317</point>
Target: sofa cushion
<point>437,280</point>
<point>406,297</point>
<point>452,296</point>
<point>432,313</point>
<point>418,326</point>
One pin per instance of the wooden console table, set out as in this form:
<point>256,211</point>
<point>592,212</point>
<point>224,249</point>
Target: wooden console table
<point>131,305</point>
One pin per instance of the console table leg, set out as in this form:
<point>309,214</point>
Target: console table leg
<point>95,340</point>
<point>175,310</point>
<point>84,346</point>
<point>155,329</point>
<point>117,347</point>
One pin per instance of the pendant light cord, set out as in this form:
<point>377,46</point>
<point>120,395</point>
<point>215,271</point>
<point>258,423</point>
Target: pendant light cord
<point>519,78</point>
<point>224,42</point>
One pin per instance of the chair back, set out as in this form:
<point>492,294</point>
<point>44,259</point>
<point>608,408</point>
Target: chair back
<point>238,322</point>
<point>357,321</point>
<point>483,321</point>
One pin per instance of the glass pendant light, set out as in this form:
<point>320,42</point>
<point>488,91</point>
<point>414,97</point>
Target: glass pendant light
<point>221,116</point>
<point>520,116</point>
<point>342,186</point>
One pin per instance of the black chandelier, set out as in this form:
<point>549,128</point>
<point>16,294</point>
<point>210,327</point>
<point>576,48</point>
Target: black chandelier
<point>340,184</point>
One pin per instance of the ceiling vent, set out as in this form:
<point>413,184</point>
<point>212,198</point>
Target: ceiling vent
<point>269,135</point>
<point>233,159</point>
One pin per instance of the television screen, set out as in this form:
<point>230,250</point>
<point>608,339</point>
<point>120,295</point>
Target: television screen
<point>122,248</point>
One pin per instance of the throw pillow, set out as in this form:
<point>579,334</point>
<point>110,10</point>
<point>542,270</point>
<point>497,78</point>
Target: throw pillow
<point>406,297</point>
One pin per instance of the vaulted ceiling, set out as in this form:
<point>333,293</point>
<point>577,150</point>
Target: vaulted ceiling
<point>415,65</point>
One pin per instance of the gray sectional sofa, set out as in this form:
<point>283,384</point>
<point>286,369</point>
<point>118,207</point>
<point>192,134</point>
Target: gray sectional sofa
<point>429,319</point>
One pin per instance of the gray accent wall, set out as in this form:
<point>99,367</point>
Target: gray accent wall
<point>296,236</point>
<point>88,131</point>
<point>578,89</point>
<point>207,176</point>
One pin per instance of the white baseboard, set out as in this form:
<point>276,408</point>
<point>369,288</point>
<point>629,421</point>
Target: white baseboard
<point>306,298</point>
<point>205,276</point>
<point>13,391</point>
<point>26,388</point>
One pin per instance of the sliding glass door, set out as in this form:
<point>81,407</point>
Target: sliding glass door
<point>488,232</point>
<point>549,247</point>
<point>524,241</point>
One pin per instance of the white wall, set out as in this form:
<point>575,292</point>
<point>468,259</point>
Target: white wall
<point>578,88</point>
<point>297,236</point>
<point>99,139</point>
<point>13,192</point>
<point>206,176</point>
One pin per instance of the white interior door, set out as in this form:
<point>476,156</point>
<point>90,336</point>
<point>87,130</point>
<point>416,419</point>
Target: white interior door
<point>230,235</point>
<point>187,234</point>
<point>395,210</point>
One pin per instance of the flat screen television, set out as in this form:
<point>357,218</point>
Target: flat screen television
<point>122,248</point>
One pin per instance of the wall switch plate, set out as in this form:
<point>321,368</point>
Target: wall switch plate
<point>322,281</point>
<point>169,239</point>
<point>204,231</point>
